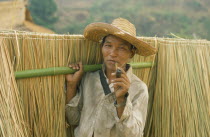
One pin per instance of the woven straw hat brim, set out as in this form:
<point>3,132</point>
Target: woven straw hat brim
<point>96,31</point>
<point>1,40</point>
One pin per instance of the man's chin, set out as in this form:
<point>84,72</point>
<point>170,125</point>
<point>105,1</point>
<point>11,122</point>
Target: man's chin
<point>111,67</point>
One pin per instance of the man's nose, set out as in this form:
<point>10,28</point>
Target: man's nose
<point>114,52</point>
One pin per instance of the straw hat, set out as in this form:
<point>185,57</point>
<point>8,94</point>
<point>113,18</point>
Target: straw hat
<point>121,28</point>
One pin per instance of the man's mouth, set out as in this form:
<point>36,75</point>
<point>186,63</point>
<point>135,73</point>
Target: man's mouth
<point>112,61</point>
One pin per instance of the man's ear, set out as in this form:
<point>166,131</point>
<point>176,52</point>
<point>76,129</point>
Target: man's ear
<point>133,52</point>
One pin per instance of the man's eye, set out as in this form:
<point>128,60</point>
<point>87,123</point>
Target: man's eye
<point>122,48</point>
<point>107,45</point>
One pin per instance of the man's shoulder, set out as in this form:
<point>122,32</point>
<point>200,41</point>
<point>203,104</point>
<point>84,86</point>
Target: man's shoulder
<point>138,85</point>
<point>91,75</point>
<point>137,80</point>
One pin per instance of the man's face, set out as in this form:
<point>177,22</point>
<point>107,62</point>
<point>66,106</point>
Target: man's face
<point>116,50</point>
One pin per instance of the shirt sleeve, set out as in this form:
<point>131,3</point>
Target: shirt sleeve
<point>133,119</point>
<point>74,107</point>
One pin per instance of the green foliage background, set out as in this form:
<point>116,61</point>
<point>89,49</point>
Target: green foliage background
<point>184,18</point>
<point>43,12</point>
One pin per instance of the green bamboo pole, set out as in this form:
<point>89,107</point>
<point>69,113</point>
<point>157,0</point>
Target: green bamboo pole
<point>66,70</point>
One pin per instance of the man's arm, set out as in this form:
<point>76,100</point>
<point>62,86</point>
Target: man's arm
<point>133,117</point>
<point>73,96</point>
<point>73,80</point>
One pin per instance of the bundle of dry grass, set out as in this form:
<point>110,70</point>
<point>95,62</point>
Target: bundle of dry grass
<point>179,91</point>
<point>178,85</point>
<point>43,97</point>
<point>11,110</point>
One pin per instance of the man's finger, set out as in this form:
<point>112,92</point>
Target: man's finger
<point>123,72</point>
<point>80,66</point>
<point>120,80</point>
<point>121,84</point>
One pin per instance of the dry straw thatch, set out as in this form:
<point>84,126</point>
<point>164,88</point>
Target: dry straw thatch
<point>179,90</point>
<point>43,97</point>
<point>178,84</point>
<point>11,108</point>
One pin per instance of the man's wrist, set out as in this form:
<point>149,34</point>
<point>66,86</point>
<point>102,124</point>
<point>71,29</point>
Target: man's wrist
<point>121,101</point>
<point>122,98</point>
<point>71,86</point>
<point>118,105</point>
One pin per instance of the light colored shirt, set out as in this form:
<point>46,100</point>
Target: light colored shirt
<point>94,112</point>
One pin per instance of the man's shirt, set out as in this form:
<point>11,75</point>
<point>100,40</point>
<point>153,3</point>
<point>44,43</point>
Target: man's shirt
<point>94,112</point>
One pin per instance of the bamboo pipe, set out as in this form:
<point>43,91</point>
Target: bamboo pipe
<point>66,70</point>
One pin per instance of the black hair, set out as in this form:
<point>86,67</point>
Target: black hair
<point>103,41</point>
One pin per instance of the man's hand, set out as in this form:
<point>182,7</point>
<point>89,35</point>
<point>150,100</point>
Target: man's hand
<point>72,80</point>
<point>121,85</point>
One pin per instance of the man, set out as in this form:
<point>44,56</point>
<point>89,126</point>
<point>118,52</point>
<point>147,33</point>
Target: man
<point>101,103</point>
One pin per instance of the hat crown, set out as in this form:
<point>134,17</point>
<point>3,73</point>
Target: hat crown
<point>125,25</point>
